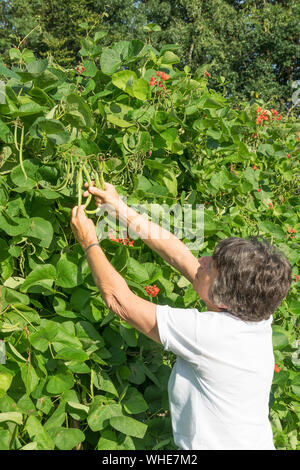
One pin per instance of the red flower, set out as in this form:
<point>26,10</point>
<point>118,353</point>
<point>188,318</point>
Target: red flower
<point>291,230</point>
<point>255,167</point>
<point>207,74</point>
<point>296,277</point>
<point>259,190</point>
<point>299,138</point>
<point>152,81</point>
<point>276,368</point>
<point>152,290</point>
<point>271,205</point>
<point>122,241</point>
<point>288,155</point>
<point>255,136</point>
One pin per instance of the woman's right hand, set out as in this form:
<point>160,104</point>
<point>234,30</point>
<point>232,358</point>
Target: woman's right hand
<point>109,196</point>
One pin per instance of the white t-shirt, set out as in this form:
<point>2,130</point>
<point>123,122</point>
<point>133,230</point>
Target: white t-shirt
<point>219,388</point>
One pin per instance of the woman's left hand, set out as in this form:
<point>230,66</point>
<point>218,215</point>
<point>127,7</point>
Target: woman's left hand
<point>83,227</point>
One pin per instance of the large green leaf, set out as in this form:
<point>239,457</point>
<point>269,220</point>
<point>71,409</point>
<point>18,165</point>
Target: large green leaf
<point>60,381</point>
<point>110,61</point>
<point>134,402</point>
<point>40,279</point>
<point>53,129</point>
<point>79,114</point>
<point>42,230</point>
<point>129,426</point>
<point>100,414</point>
<point>68,273</point>
<point>66,438</point>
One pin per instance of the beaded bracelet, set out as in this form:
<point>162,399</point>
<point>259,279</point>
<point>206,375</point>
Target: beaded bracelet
<point>91,246</point>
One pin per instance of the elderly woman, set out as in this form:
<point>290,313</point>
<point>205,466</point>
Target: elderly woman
<point>220,385</point>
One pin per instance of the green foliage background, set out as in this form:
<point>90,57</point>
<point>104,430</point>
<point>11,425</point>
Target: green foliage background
<point>76,376</point>
<point>254,45</point>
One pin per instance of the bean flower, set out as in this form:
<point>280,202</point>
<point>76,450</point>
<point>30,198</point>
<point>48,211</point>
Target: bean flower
<point>276,368</point>
<point>80,69</point>
<point>152,290</point>
<point>122,241</point>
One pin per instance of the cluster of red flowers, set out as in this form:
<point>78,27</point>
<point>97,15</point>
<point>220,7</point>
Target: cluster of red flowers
<point>296,277</point>
<point>162,75</point>
<point>275,115</point>
<point>255,167</point>
<point>292,230</point>
<point>262,115</point>
<point>80,69</point>
<point>207,74</point>
<point>271,205</point>
<point>276,368</point>
<point>123,241</point>
<point>152,290</point>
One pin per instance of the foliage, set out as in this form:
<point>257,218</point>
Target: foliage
<point>252,44</point>
<point>76,376</point>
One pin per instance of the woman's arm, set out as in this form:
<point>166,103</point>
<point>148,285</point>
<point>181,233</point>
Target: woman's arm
<point>139,313</point>
<point>167,245</point>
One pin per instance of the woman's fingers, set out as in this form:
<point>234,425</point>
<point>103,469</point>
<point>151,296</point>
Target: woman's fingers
<point>87,184</point>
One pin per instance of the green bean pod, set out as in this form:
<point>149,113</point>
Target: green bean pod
<point>87,175</point>
<point>79,185</point>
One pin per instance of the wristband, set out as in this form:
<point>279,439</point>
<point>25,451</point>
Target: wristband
<point>85,251</point>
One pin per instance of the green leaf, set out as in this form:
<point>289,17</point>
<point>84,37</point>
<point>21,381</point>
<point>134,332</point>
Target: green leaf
<point>124,80</point>
<point>5,382</point>
<point>129,426</point>
<point>53,129</point>
<point>141,89</point>
<point>274,229</point>
<point>280,337</point>
<point>66,439</point>
<point>134,402</point>
<point>110,61</point>
<point>102,381</point>
<point>12,416</point>
<point>68,273</point>
<point>129,334</point>
<point>41,229</point>
<point>38,66</point>
<point>40,279</point>
<point>90,69</point>
<point>100,414</point>
<point>17,176</point>
<point>136,270</point>
<point>38,433</point>
<point>71,354</point>
<point>28,109</point>
<point>60,382</point>
<point>13,227</point>
<point>169,58</point>
<point>29,377</point>
<point>79,113</point>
